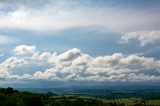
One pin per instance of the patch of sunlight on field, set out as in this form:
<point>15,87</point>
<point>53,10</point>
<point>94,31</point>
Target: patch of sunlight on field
<point>153,102</point>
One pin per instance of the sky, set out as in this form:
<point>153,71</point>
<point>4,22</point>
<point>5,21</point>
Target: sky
<point>48,42</point>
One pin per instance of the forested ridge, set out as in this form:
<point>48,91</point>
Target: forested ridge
<point>11,97</point>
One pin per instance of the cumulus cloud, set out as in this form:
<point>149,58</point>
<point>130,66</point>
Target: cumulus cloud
<point>13,62</point>
<point>81,67</point>
<point>116,67</point>
<point>4,73</point>
<point>24,50</point>
<point>8,64</point>
<point>74,65</point>
<point>144,37</point>
<point>69,55</point>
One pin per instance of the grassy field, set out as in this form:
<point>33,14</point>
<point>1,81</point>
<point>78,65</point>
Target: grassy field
<point>153,102</point>
<point>134,101</point>
<point>119,102</point>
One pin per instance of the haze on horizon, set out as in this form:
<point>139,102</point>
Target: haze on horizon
<point>48,42</point>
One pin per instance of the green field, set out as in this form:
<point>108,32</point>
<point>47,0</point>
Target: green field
<point>135,101</point>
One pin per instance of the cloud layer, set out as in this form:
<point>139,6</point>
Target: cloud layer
<point>74,65</point>
<point>60,15</point>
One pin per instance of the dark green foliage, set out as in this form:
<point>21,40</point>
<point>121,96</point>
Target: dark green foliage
<point>10,97</point>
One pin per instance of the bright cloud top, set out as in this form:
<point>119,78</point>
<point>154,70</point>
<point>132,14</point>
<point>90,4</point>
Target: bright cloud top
<point>24,50</point>
<point>74,65</point>
<point>144,37</point>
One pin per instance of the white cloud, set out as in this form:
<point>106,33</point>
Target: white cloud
<point>4,73</point>
<point>116,67</point>
<point>75,65</point>
<point>120,64</point>
<point>48,74</point>
<point>24,50</point>
<point>144,37</point>
<point>69,55</point>
<point>44,56</point>
<point>63,58</point>
<point>8,64</point>
<point>13,62</point>
<point>59,17</point>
